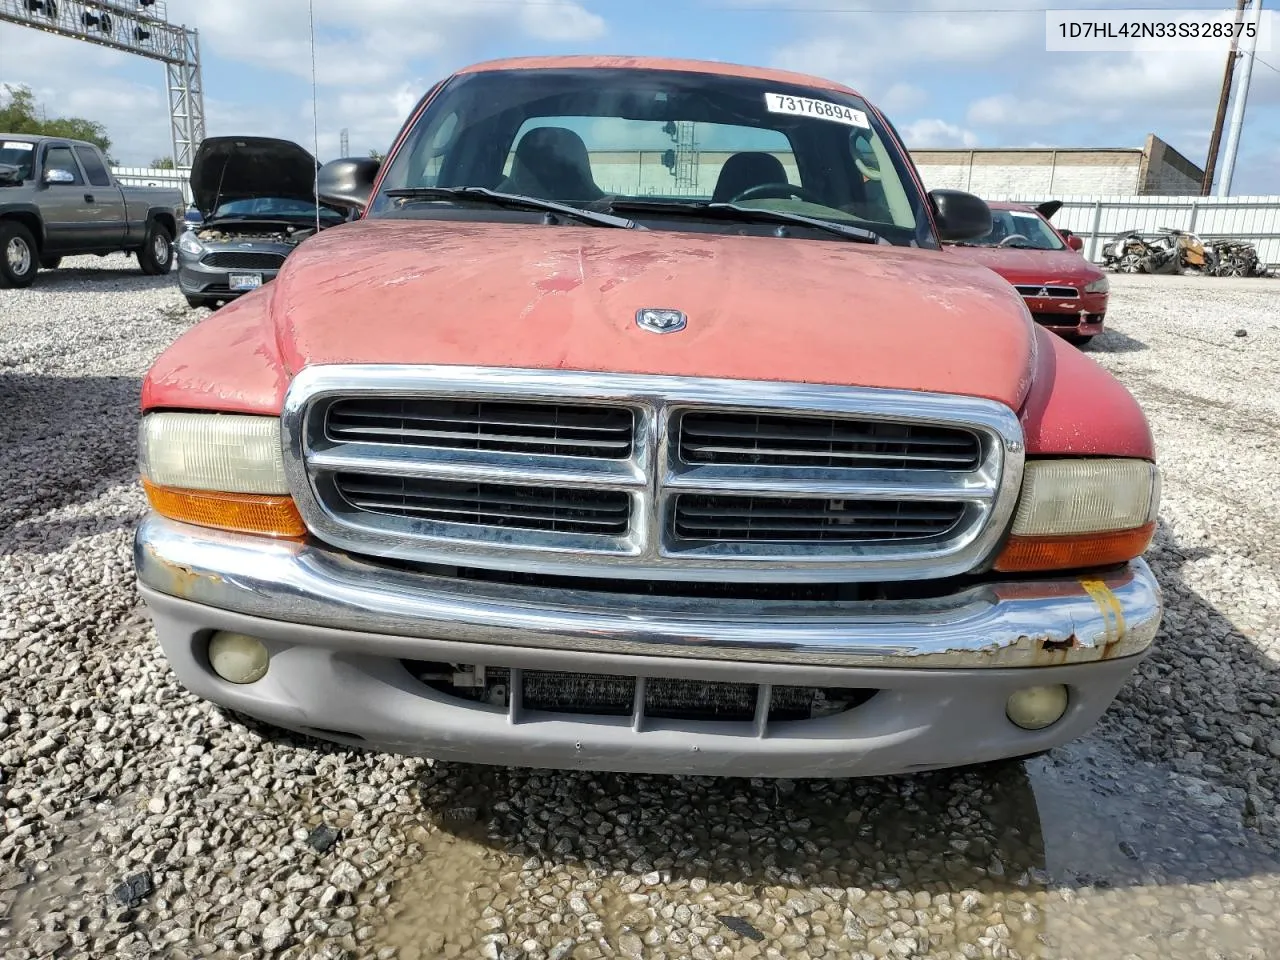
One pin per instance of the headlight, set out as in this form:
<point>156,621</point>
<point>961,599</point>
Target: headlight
<point>1082,513</point>
<point>218,470</point>
<point>188,243</point>
<point>1101,285</point>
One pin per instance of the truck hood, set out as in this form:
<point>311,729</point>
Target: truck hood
<point>1033,266</point>
<point>566,297</point>
<point>242,168</point>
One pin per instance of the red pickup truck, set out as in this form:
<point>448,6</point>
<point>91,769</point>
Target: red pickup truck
<point>633,426</point>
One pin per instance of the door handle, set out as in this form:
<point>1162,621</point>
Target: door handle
<point>89,198</point>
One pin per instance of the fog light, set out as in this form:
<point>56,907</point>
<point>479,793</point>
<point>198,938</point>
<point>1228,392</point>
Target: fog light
<point>1037,707</point>
<point>237,658</point>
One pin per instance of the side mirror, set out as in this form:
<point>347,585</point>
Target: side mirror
<point>1074,242</point>
<point>960,215</point>
<point>9,174</point>
<point>347,183</point>
<point>59,176</point>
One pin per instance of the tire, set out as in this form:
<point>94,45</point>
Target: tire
<point>19,258</point>
<point>155,257</point>
<point>50,263</point>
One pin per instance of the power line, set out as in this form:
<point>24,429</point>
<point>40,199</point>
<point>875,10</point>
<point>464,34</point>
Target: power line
<point>1265,64</point>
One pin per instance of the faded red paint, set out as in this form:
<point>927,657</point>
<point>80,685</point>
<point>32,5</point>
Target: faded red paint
<point>227,362</point>
<point>1076,408</point>
<point>563,297</point>
<point>715,68</point>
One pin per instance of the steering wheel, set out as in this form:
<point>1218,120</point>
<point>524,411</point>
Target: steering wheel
<point>1010,238</point>
<point>778,191</point>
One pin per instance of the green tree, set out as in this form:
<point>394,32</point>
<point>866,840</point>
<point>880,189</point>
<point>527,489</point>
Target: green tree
<point>377,155</point>
<point>162,163</point>
<point>19,113</point>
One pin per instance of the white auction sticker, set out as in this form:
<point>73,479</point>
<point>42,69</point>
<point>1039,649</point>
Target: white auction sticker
<point>822,109</point>
<point>17,145</point>
<point>1114,31</point>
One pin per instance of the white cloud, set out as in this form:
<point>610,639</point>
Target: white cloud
<point>374,59</point>
<point>372,42</point>
<point>932,132</point>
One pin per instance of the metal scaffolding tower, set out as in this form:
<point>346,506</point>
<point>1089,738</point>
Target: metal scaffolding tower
<point>141,28</point>
<point>683,161</point>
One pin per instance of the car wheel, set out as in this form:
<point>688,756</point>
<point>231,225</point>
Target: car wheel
<point>156,256</point>
<point>50,263</point>
<point>1079,339</point>
<point>18,258</point>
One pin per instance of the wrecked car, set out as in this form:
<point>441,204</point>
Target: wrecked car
<point>256,200</point>
<point>563,456</point>
<point>1064,292</point>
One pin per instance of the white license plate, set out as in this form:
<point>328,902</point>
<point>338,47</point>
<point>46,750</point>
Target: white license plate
<point>245,281</point>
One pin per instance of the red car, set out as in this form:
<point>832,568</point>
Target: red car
<point>1064,291</point>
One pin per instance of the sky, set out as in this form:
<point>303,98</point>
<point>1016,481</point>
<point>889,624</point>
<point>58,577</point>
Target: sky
<point>947,72</point>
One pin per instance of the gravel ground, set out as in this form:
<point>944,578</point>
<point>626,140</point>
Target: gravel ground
<point>140,822</point>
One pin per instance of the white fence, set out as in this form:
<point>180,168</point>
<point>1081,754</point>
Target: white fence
<point>147,177</point>
<point>1096,219</point>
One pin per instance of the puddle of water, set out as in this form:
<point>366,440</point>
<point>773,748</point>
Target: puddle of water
<point>1086,854</point>
<point>72,869</point>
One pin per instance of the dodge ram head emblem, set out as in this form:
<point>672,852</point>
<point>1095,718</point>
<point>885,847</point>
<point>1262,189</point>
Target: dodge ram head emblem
<point>660,321</point>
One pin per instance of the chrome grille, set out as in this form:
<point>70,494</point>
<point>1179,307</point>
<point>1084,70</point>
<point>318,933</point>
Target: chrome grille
<point>1041,291</point>
<point>533,428</point>
<point>824,442</point>
<point>498,505</point>
<point>244,261</point>
<point>548,472</point>
<point>716,517</point>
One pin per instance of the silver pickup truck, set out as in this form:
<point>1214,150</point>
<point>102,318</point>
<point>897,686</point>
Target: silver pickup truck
<point>58,198</point>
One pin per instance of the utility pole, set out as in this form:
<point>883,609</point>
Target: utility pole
<point>1215,139</point>
<point>1242,97</point>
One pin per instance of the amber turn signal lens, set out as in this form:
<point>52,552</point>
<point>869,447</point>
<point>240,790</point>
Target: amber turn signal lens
<point>1024,554</point>
<point>272,516</point>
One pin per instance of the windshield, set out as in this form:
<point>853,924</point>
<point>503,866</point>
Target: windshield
<point>20,154</point>
<point>273,207</point>
<point>595,137</point>
<point>1019,228</point>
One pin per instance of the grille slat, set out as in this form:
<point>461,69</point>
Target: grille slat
<point>662,481</point>
<point>570,510</point>
<point>599,432</point>
<point>751,519</point>
<point>772,440</point>
<point>614,696</point>
<point>244,261</point>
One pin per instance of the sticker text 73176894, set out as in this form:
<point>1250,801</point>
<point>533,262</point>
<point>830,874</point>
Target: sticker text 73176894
<point>822,109</point>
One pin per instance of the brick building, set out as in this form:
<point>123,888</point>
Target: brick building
<point>1155,169</point>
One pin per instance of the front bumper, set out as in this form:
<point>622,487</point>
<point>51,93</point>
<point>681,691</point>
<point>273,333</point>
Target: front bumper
<point>199,279</point>
<point>339,631</point>
<point>1064,316</point>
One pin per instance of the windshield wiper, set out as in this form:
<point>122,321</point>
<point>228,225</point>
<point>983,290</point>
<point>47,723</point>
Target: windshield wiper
<point>513,201</point>
<point>732,211</point>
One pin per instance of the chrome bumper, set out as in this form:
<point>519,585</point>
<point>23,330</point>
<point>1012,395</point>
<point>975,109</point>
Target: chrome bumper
<point>1033,623</point>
